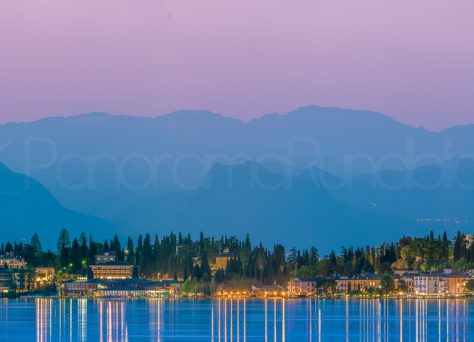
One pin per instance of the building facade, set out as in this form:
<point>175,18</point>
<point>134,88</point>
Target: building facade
<point>112,270</point>
<point>457,284</point>
<point>13,262</point>
<point>130,288</point>
<point>430,284</point>
<point>105,258</point>
<point>302,286</point>
<point>360,283</point>
<point>44,276</point>
<point>221,262</point>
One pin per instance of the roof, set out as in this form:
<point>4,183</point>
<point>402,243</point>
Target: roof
<point>311,279</point>
<point>12,257</point>
<point>111,253</point>
<point>442,274</point>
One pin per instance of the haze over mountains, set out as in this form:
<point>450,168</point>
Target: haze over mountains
<point>27,207</point>
<point>172,172</point>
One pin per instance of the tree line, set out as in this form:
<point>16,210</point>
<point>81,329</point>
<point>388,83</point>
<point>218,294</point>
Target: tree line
<point>181,257</point>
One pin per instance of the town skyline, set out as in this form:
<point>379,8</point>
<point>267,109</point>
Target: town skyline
<point>228,267</point>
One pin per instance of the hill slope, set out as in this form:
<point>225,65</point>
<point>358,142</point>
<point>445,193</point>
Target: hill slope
<point>27,207</point>
<point>234,200</point>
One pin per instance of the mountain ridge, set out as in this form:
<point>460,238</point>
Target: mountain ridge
<point>101,164</point>
<point>181,112</point>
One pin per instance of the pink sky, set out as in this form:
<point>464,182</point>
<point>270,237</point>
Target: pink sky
<point>411,59</point>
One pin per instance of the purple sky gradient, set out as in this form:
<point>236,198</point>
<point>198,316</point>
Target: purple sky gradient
<point>411,59</point>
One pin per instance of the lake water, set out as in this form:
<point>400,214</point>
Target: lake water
<point>237,320</point>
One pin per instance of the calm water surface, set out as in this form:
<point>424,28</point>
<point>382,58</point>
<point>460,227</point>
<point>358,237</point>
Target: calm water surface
<point>237,320</point>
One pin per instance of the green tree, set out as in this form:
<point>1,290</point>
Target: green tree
<point>76,255</point>
<point>387,284</point>
<point>470,285</point>
<point>64,240</point>
<point>35,243</point>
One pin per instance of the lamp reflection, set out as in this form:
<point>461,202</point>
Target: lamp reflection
<point>269,319</point>
<point>229,319</point>
<point>112,321</point>
<point>43,319</point>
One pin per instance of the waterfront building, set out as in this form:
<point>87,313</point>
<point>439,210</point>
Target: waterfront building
<point>358,283</point>
<point>130,288</point>
<point>302,286</point>
<point>5,281</point>
<point>457,284</point>
<point>11,261</point>
<point>430,284</point>
<point>76,288</point>
<point>44,276</point>
<point>17,280</point>
<point>112,270</point>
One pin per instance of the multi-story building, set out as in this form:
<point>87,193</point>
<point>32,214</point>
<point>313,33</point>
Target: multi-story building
<point>444,283</point>
<point>105,258</point>
<point>457,284</point>
<point>431,284</point>
<point>302,286</point>
<point>5,281</point>
<point>17,280</point>
<point>112,270</point>
<point>359,283</point>
<point>222,260</point>
<point>11,261</point>
<point>44,276</point>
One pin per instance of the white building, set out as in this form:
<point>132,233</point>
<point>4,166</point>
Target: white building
<point>430,284</point>
<point>13,262</point>
<point>105,258</point>
<point>302,286</point>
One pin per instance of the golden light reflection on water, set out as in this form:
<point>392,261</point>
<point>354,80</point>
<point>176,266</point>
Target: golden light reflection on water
<point>231,322</point>
<point>43,320</point>
<point>70,320</point>
<point>270,319</point>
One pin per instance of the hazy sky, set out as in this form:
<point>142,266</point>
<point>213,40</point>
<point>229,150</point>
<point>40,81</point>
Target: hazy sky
<point>411,59</point>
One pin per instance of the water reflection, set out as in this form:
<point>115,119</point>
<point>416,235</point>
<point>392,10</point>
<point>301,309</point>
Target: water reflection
<point>112,326</point>
<point>43,320</point>
<point>229,320</point>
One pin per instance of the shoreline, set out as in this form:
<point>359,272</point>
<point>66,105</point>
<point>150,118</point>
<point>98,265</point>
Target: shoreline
<point>252,298</point>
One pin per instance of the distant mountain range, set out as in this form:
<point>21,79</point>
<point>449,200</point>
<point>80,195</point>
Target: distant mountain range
<point>316,206</point>
<point>273,208</point>
<point>169,172</point>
